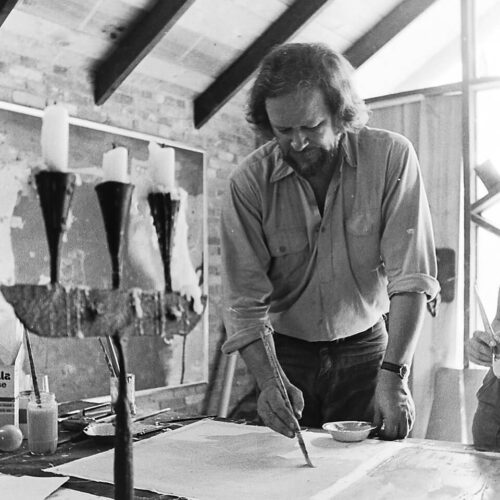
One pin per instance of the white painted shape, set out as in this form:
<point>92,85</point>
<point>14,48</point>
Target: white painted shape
<point>14,181</point>
<point>184,277</point>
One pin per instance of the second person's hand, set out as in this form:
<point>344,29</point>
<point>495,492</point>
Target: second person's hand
<point>480,348</point>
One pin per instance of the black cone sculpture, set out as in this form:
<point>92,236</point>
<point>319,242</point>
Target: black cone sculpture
<point>164,211</point>
<point>55,192</point>
<point>114,199</point>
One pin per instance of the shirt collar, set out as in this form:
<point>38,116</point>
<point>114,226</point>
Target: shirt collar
<point>282,169</point>
<point>349,148</point>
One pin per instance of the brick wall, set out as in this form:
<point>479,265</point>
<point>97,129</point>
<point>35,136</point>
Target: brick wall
<point>153,107</point>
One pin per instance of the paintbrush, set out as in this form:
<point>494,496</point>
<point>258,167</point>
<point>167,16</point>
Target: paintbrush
<point>108,361</point>
<point>273,360</point>
<point>484,317</point>
<point>487,325</point>
<point>32,368</point>
<point>112,356</point>
<point>83,411</point>
<point>153,414</point>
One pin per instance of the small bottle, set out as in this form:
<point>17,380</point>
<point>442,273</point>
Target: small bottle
<point>42,424</point>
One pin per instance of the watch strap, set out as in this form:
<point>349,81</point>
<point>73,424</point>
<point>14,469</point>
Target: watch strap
<point>401,370</point>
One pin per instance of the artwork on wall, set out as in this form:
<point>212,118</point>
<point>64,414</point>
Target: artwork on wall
<point>76,366</point>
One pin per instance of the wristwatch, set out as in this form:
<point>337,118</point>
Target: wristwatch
<point>402,370</point>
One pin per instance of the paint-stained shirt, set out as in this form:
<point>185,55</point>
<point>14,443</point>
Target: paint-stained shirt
<point>315,277</point>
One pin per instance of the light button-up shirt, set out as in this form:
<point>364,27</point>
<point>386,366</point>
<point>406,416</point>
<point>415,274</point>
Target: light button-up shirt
<point>323,278</point>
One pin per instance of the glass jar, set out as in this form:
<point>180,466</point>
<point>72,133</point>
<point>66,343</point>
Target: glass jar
<point>42,424</point>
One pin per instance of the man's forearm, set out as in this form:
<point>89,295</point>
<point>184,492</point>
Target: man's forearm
<point>257,362</point>
<point>406,316</point>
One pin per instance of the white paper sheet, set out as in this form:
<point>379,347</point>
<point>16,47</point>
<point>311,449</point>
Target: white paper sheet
<point>27,487</point>
<point>212,460</point>
<point>68,494</point>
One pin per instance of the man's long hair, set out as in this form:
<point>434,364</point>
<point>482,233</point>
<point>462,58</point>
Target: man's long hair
<point>293,66</point>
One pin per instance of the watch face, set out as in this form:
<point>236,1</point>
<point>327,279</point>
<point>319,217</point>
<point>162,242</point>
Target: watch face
<point>404,371</point>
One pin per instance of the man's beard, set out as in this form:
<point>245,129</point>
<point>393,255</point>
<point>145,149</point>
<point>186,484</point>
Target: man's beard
<point>310,162</point>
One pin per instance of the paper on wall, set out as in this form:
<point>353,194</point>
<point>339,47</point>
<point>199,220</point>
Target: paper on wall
<point>184,277</point>
<point>11,333</point>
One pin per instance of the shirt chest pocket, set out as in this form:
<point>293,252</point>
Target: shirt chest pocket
<point>287,241</point>
<point>363,223</point>
<point>289,249</point>
<point>362,232</point>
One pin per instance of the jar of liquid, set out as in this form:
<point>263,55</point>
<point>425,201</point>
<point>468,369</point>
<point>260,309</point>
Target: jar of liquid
<point>42,424</point>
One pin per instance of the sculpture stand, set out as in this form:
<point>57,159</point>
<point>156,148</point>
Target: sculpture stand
<point>57,311</point>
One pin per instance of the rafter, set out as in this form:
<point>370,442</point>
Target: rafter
<point>399,17</point>
<point>235,76</point>
<point>136,43</point>
<point>6,7</point>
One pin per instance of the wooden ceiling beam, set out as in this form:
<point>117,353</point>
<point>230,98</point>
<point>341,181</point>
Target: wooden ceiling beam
<point>386,29</point>
<point>6,7</point>
<point>146,31</point>
<point>238,72</point>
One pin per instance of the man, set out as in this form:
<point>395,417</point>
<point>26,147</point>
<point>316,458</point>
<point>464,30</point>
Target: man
<point>486,422</point>
<point>324,230</point>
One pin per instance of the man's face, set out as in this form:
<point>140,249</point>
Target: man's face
<point>303,127</point>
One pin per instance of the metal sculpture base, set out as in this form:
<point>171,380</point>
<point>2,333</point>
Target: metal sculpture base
<point>58,311</point>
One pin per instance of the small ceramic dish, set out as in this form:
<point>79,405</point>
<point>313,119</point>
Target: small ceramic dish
<point>104,431</point>
<point>349,431</point>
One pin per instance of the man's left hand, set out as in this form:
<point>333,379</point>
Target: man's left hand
<point>394,406</point>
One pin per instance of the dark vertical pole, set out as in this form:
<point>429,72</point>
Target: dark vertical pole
<point>468,72</point>
<point>124,462</point>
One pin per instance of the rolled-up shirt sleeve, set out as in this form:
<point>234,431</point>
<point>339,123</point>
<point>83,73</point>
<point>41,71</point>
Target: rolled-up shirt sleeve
<point>245,260</point>
<point>407,243</point>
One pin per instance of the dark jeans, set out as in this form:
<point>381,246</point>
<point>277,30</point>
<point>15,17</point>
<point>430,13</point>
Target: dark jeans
<point>486,423</point>
<point>337,378</point>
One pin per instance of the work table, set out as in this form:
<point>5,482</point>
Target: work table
<point>74,445</point>
<point>210,458</point>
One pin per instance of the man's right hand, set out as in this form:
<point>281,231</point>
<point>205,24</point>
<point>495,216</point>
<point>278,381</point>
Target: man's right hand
<point>273,410</point>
